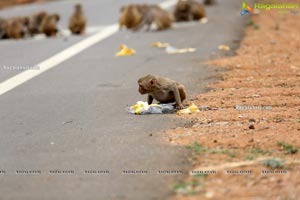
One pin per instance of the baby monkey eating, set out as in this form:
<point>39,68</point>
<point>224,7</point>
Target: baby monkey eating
<point>163,90</point>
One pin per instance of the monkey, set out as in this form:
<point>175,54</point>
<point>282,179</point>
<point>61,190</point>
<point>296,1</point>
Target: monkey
<point>162,89</point>
<point>16,27</point>
<point>136,16</point>
<point>155,14</point>
<point>77,21</point>
<point>2,28</point>
<point>209,2</point>
<point>35,21</point>
<point>48,26</point>
<point>131,16</point>
<point>187,10</point>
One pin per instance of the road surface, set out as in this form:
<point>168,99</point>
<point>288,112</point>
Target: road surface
<point>72,117</point>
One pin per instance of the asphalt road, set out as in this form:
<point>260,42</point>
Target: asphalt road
<point>73,116</point>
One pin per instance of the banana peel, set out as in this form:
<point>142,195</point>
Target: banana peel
<point>191,109</point>
<point>125,51</point>
<point>139,107</point>
<point>160,44</point>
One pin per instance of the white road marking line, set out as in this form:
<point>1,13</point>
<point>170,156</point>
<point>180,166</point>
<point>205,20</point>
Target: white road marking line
<point>64,55</point>
<point>57,59</point>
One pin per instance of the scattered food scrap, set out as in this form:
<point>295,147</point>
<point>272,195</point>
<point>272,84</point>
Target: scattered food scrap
<point>143,108</point>
<point>160,44</point>
<point>224,47</point>
<point>191,109</point>
<point>203,20</point>
<point>171,49</point>
<point>174,50</point>
<point>125,51</point>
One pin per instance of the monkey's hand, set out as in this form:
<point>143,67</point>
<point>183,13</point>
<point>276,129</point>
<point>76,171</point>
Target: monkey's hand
<point>178,101</point>
<point>180,106</point>
<point>150,99</point>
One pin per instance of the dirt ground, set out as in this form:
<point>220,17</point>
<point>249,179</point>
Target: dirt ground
<point>252,152</point>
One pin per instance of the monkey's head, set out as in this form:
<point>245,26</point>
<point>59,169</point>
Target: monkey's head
<point>25,21</point>
<point>183,6</point>
<point>78,7</point>
<point>56,17</point>
<point>122,9</point>
<point>41,15</point>
<point>147,84</point>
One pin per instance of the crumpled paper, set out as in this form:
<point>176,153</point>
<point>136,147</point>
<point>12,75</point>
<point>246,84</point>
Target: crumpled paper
<point>171,49</point>
<point>174,50</point>
<point>143,108</point>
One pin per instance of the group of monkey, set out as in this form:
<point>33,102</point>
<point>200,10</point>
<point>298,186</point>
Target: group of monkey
<point>41,23</point>
<point>133,17</point>
<point>136,16</point>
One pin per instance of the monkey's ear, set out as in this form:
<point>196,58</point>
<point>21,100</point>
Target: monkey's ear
<point>122,8</point>
<point>152,81</point>
<point>78,6</point>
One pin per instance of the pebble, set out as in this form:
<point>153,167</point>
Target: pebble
<point>252,120</point>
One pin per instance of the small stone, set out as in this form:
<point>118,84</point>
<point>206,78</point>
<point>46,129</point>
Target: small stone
<point>209,195</point>
<point>150,134</point>
<point>252,120</point>
<point>251,126</point>
<point>215,141</point>
<point>251,140</point>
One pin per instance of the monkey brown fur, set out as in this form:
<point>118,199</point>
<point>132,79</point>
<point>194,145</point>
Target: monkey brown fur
<point>209,2</point>
<point>77,21</point>
<point>49,25</point>
<point>2,28</point>
<point>35,21</point>
<point>187,10</point>
<point>15,27</point>
<point>131,16</point>
<point>136,16</point>
<point>162,89</point>
<point>155,14</point>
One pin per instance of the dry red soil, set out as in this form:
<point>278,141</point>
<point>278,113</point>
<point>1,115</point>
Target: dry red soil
<point>264,72</point>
